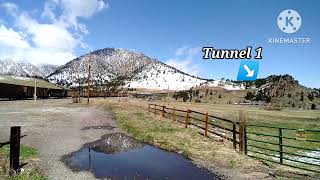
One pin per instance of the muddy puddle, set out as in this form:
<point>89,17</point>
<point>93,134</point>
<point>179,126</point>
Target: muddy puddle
<point>117,156</point>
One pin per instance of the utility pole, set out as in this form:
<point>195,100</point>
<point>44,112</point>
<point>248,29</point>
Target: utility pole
<point>168,94</point>
<point>35,90</point>
<point>78,101</point>
<point>89,76</point>
<point>79,82</point>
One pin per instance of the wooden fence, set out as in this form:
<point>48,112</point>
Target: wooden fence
<point>254,140</point>
<point>209,125</point>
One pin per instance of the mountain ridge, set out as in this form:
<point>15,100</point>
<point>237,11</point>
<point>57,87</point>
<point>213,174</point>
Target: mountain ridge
<point>25,69</point>
<point>136,69</point>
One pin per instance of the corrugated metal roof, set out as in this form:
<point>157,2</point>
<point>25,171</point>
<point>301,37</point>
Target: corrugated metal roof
<point>26,81</point>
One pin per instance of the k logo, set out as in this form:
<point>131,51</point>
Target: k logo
<point>289,21</point>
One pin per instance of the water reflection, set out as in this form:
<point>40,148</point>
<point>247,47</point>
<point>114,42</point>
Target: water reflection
<point>118,156</point>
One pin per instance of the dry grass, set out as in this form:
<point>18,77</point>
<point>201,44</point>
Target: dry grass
<point>219,157</point>
<point>286,117</point>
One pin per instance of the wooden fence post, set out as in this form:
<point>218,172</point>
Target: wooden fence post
<point>245,141</point>
<point>242,128</point>
<point>206,131</point>
<point>155,110</point>
<point>234,135</point>
<point>280,146</point>
<point>149,109</point>
<point>174,114</point>
<point>163,110</point>
<point>187,119</point>
<point>15,148</point>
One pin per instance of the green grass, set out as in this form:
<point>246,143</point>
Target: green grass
<point>287,118</point>
<point>172,136</point>
<point>33,174</point>
<point>141,128</point>
<point>26,153</point>
<point>162,132</point>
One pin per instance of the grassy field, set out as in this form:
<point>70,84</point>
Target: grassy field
<point>26,154</point>
<point>173,137</point>
<point>301,119</point>
<point>132,117</point>
<point>286,118</point>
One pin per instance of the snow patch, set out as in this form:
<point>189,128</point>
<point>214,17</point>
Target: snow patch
<point>21,78</point>
<point>228,85</point>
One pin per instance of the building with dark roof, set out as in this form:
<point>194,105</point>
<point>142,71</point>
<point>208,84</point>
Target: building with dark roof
<point>14,87</point>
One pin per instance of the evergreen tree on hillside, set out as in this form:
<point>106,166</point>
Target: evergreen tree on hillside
<point>310,96</point>
<point>301,96</point>
<point>249,96</point>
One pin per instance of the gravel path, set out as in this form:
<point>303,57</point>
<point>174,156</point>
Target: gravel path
<point>54,128</point>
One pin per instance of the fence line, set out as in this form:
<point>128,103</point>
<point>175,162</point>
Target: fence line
<point>251,139</point>
<point>280,148</point>
<point>203,121</point>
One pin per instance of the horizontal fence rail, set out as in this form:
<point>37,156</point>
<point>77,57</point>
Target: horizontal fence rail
<point>291,147</point>
<point>208,125</point>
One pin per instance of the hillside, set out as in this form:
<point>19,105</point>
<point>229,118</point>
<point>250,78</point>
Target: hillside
<point>285,91</point>
<point>223,83</point>
<point>120,67</point>
<point>135,70</point>
<point>275,90</point>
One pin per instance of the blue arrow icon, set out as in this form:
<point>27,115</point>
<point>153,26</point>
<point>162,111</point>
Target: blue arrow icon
<point>248,71</point>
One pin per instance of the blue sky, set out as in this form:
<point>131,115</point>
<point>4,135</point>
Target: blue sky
<point>171,31</point>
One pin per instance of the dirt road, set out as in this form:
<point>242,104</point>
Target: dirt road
<point>54,127</point>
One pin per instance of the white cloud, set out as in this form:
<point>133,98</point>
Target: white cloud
<point>10,38</point>
<point>74,9</point>
<point>52,42</point>
<point>180,51</point>
<point>10,8</point>
<point>80,8</point>
<point>183,60</point>
<point>187,51</point>
<point>184,66</point>
<point>14,46</point>
<point>48,11</point>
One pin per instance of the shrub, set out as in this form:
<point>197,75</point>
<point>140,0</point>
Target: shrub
<point>249,96</point>
<point>273,108</point>
<point>198,101</point>
<point>310,96</point>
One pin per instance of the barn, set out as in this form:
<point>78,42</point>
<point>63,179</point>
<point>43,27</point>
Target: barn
<point>14,87</point>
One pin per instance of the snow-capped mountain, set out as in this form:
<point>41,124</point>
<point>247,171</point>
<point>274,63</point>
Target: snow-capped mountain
<point>136,69</point>
<point>111,65</point>
<point>11,67</point>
